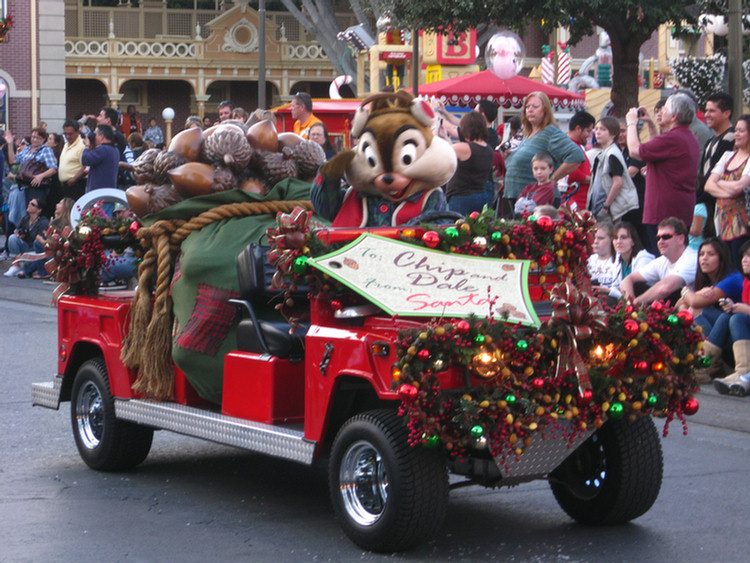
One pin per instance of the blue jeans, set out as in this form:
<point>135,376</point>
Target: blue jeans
<point>729,328</point>
<point>707,319</point>
<point>37,266</point>
<point>16,245</point>
<point>465,204</point>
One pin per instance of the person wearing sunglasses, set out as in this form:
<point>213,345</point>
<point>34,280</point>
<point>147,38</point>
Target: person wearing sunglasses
<point>669,273</point>
<point>31,227</point>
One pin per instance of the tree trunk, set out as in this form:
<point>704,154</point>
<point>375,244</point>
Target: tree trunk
<point>625,69</point>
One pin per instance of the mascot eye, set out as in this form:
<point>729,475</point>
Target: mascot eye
<point>408,153</point>
<point>370,155</point>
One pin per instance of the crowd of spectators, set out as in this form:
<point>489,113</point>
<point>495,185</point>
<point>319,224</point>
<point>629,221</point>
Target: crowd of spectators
<point>671,210</point>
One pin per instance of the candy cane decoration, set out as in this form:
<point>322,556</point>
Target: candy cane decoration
<point>548,69</point>
<point>563,64</point>
<point>338,82</point>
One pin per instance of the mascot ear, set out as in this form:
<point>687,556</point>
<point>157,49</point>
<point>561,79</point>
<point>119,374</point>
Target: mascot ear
<point>422,111</point>
<point>360,120</point>
<point>336,166</point>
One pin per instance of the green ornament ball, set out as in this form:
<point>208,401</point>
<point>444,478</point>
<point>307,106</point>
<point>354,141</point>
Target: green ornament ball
<point>532,219</point>
<point>451,233</point>
<point>497,236</point>
<point>616,411</point>
<point>522,345</point>
<point>652,400</point>
<point>300,265</point>
<point>510,399</point>
<point>477,432</point>
<point>431,442</point>
<point>673,320</point>
<point>706,362</point>
<point>479,339</point>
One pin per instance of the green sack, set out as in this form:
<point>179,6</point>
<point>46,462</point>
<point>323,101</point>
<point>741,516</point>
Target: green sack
<point>205,278</point>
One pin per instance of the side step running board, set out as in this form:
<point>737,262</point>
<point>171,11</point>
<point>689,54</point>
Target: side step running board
<point>254,436</point>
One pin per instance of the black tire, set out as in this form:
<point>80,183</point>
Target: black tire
<point>104,442</point>
<point>387,495</point>
<point>614,476</point>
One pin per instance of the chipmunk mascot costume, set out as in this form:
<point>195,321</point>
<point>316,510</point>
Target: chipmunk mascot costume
<point>395,171</point>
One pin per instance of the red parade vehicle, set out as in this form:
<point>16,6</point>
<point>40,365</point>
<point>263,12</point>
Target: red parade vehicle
<point>327,390</point>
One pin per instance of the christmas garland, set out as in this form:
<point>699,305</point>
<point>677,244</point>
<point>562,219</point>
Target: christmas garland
<point>583,365</point>
<point>75,256</point>
<point>5,25</point>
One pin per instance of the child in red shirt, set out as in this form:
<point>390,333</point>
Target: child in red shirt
<point>543,191</point>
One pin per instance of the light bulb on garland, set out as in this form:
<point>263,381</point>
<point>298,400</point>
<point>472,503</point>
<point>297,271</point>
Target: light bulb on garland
<point>484,365</point>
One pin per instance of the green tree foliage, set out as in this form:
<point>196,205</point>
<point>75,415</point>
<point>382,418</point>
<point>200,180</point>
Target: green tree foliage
<point>629,24</point>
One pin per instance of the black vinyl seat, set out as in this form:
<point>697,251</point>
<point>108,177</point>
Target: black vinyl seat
<point>255,333</point>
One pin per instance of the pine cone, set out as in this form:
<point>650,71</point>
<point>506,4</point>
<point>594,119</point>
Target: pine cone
<point>223,180</point>
<point>309,156</point>
<point>277,166</point>
<point>143,167</point>
<point>165,161</point>
<point>161,197</point>
<point>228,147</point>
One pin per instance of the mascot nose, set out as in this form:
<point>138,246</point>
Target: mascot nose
<point>387,179</point>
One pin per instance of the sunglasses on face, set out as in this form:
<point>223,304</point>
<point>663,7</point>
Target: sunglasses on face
<point>663,237</point>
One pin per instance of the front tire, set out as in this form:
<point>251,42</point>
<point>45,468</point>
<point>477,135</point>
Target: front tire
<point>614,476</point>
<point>387,495</point>
<point>104,442</point>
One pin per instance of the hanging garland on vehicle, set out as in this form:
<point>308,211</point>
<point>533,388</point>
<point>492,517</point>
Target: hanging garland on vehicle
<point>583,366</point>
<point>75,256</point>
<point>636,361</point>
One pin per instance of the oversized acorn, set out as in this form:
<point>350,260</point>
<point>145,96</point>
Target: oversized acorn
<point>262,136</point>
<point>163,163</point>
<point>309,156</point>
<point>188,144</point>
<point>192,178</point>
<point>143,167</point>
<point>278,166</point>
<point>228,146</point>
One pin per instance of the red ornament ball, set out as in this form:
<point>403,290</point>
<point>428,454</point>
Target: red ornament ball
<point>544,260</point>
<point>642,366</point>
<point>545,223</point>
<point>586,397</point>
<point>569,237</point>
<point>133,228</point>
<point>657,306</point>
<point>463,327</point>
<point>686,317</point>
<point>407,392</point>
<point>431,239</point>
<point>537,383</point>
<point>336,305</point>
<point>631,327</point>
<point>423,354</point>
<point>690,406</point>
<point>474,214</point>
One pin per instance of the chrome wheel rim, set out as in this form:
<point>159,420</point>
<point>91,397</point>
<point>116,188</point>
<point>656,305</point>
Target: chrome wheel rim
<point>363,483</point>
<point>90,415</point>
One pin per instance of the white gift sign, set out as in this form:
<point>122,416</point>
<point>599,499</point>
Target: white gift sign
<point>409,280</point>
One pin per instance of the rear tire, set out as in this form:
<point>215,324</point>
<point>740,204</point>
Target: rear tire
<point>387,495</point>
<point>104,442</point>
<point>614,476</point>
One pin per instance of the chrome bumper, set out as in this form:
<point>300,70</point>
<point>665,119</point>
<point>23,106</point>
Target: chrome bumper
<point>47,394</point>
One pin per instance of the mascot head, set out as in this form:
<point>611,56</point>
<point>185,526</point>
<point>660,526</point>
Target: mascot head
<point>396,154</point>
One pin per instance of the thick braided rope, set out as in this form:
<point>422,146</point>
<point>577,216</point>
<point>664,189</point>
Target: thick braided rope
<point>147,345</point>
